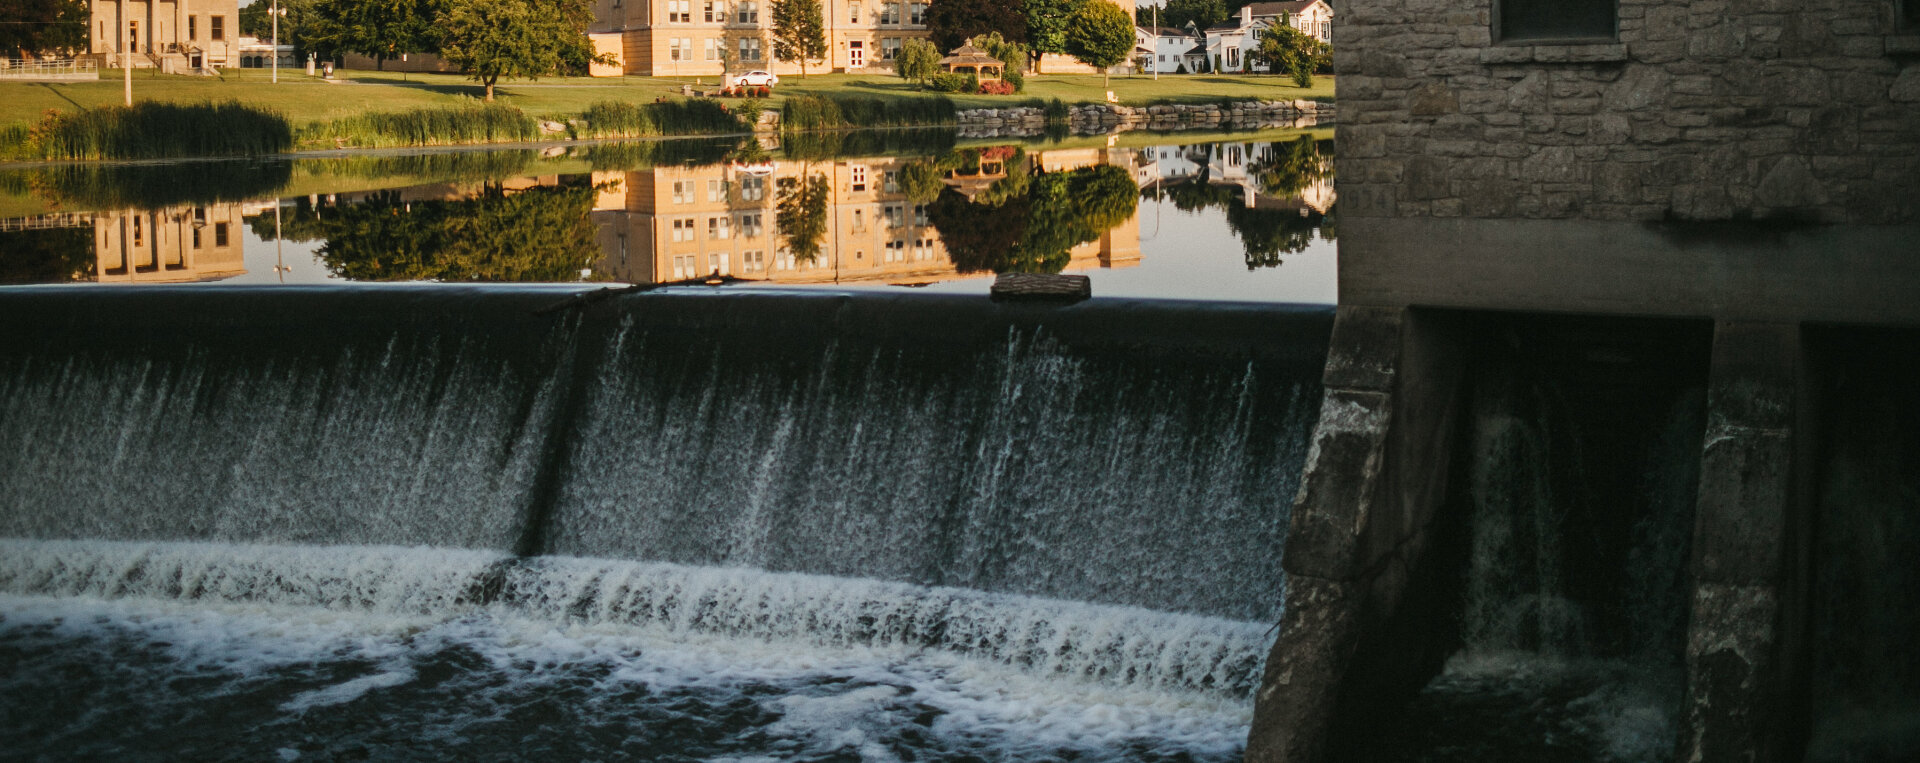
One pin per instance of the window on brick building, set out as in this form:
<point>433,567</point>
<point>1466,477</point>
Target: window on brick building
<point>1555,20</point>
<point>217,27</point>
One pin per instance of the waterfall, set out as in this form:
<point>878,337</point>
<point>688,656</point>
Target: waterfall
<point>1097,492</point>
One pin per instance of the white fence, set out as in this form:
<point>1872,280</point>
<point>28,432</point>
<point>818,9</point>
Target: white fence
<point>47,71</point>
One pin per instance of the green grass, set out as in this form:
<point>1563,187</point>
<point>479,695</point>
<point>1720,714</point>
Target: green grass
<point>619,119</point>
<point>830,111</point>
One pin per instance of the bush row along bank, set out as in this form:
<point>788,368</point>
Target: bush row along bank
<point>155,130</point>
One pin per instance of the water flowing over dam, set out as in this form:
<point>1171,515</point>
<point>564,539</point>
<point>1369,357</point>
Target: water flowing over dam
<point>786,511</point>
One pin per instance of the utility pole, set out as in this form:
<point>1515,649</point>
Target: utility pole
<point>126,52</point>
<point>1155,60</point>
<point>276,55</point>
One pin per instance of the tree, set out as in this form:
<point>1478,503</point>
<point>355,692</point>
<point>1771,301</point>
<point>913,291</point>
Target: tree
<point>1101,36</point>
<point>1202,13</point>
<point>538,234</point>
<point>38,27</point>
<point>799,32</point>
<point>1286,49</point>
<point>1047,24</point>
<point>917,60</point>
<point>954,22</point>
<point>379,29</point>
<point>1012,54</point>
<point>801,214</point>
<point>490,39</point>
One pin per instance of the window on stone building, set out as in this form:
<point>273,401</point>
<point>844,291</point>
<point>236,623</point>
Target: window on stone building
<point>890,13</point>
<point>853,13</point>
<point>715,12</point>
<point>889,48</point>
<point>1530,20</point>
<point>917,14</point>
<point>217,27</point>
<point>714,46</point>
<point>1910,14</point>
<point>750,49</point>
<point>747,12</point>
<point>219,234</point>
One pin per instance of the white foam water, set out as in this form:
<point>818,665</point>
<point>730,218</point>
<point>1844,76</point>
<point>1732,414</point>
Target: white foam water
<point>322,652</point>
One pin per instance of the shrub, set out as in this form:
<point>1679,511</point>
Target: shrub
<point>763,92</point>
<point>953,82</point>
<point>808,112</point>
<point>473,123</point>
<point>616,119</point>
<point>997,87</point>
<point>153,130</point>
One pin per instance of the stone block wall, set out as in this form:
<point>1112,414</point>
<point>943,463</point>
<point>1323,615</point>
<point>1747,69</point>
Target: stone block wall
<point>1805,110</point>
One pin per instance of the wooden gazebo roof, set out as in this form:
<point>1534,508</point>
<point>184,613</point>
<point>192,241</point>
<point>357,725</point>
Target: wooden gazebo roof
<point>974,59</point>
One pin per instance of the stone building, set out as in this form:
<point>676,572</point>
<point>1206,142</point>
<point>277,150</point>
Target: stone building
<point>176,36</point>
<point>1659,110</point>
<point>1733,182</point>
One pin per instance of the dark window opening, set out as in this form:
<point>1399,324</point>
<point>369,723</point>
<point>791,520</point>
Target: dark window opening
<point>1910,14</point>
<point>218,27</point>
<point>1556,20</point>
<point>219,234</point>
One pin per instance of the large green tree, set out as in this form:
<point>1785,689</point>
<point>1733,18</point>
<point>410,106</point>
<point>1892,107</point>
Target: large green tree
<point>1286,50</point>
<point>799,32</point>
<point>379,29</point>
<point>1029,222</point>
<point>1047,24</point>
<point>1176,13</point>
<point>296,20</point>
<point>490,39</point>
<point>1100,35</point>
<point>41,27</point>
<point>953,22</point>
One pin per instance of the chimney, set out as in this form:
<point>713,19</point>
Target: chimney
<point>1246,15</point>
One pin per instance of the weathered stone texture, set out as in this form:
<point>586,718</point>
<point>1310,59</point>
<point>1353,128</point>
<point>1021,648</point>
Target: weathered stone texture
<point>1783,95</point>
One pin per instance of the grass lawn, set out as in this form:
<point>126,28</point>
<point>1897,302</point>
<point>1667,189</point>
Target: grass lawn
<point>306,99</point>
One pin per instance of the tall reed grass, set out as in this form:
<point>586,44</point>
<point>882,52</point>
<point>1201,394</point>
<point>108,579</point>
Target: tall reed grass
<point>815,112</point>
<point>447,126</point>
<point>154,130</point>
<point>619,119</point>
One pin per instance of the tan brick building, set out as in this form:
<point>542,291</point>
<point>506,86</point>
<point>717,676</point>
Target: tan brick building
<point>692,38</point>
<point>176,36</point>
<point>172,246</point>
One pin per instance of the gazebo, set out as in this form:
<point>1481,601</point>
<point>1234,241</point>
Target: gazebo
<point>968,59</point>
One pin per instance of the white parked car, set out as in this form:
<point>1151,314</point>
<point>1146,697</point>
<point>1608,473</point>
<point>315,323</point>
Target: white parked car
<point>756,79</point>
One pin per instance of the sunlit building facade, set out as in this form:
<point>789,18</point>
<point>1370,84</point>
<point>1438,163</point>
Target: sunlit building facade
<point>175,36</point>
<point>179,245</point>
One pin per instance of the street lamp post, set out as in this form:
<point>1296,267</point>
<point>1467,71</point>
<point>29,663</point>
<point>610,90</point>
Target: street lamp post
<point>276,41</point>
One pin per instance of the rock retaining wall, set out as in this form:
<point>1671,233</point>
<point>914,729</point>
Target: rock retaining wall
<point>1089,119</point>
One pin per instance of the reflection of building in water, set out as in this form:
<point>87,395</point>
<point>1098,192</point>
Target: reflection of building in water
<point>1229,165</point>
<point>678,223</point>
<point>170,246</point>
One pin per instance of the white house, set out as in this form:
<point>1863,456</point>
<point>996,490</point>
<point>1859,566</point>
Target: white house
<point>1227,44</point>
<point>1170,48</point>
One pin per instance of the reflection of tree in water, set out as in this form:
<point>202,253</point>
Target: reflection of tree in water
<point>536,234</point>
<point>55,255</point>
<point>1280,170</point>
<point>1284,170</point>
<point>1026,222</point>
<point>801,213</point>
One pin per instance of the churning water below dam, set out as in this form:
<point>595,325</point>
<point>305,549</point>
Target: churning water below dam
<point>416,523</point>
